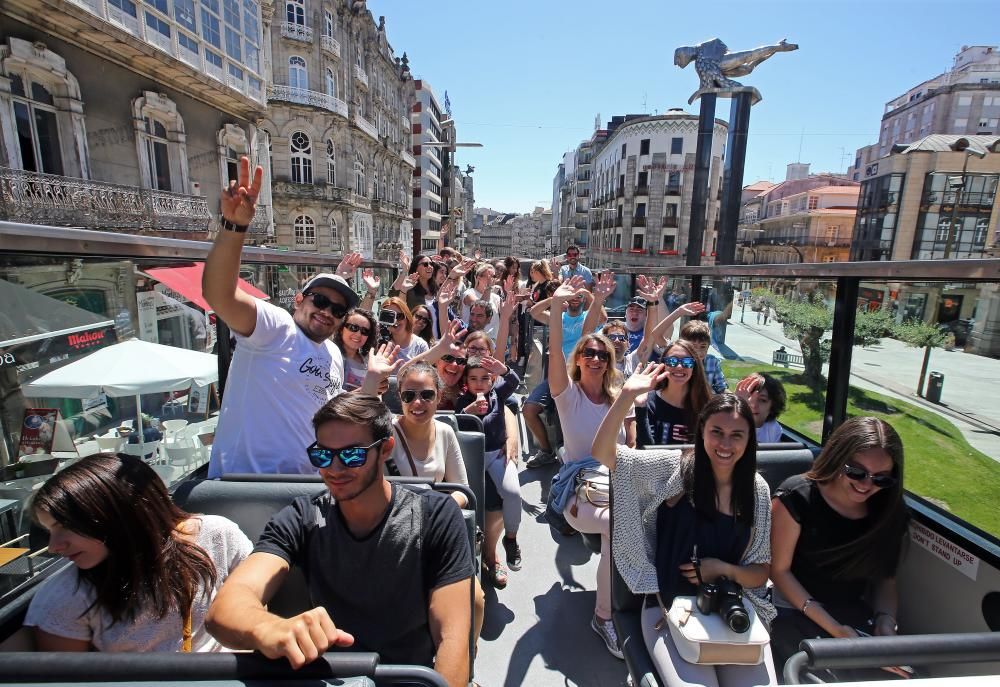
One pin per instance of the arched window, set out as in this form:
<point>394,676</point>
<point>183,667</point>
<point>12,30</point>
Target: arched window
<point>375,180</point>
<point>295,12</point>
<point>329,23</point>
<point>305,232</point>
<point>160,143</point>
<point>37,130</point>
<point>331,163</point>
<point>360,183</point>
<point>301,154</point>
<point>298,75</point>
<point>331,83</point>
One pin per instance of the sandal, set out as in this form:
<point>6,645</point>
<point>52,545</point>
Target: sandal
<point>496,574</point>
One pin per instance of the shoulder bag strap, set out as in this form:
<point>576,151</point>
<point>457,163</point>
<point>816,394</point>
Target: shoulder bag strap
<point>406,449</point>
<point>186,633</point>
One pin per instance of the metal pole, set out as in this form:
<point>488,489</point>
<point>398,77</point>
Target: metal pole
<point>732,179</point>
<point>838,383</point>
<point>702,168</point>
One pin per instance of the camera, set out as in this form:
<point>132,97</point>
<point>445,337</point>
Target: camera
<point>386,321</point>
<point>724,597</point>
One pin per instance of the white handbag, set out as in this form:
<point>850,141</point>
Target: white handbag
<point>707,640</point>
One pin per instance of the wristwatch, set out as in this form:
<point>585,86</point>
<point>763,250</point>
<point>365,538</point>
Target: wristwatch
<point>232,226</point>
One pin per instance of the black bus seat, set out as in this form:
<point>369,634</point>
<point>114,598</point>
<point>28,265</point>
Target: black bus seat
<point>472,442</point>
<point>252,500</point>
<point>359,669</point>
<point>775,462</point>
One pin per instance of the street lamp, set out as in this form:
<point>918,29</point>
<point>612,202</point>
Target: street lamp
<point>957,185</point>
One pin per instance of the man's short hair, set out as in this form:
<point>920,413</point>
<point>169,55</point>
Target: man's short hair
<point>485,305</point>
<point>447,252</point>
<point>696,331</point>
<point>357,409</point>
<point>572,247</point>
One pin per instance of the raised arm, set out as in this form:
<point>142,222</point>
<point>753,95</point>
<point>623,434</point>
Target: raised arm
<point>558,378</point>
<point>596,314</point>
<point>507,310</point>
<point>666,326</point>
<point>642,381</point>
<point>452,334</point>
<point>222,266</point>
<point>540,310</point>
<point>372,283</point>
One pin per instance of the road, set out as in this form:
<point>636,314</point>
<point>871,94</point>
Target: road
<point>893,368</point>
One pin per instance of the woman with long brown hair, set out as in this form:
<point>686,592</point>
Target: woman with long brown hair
<point>144,571</point>
<point>669,413</point>
<point>410,345</point>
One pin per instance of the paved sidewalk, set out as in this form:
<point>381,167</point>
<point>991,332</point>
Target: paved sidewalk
<point>893,368</point>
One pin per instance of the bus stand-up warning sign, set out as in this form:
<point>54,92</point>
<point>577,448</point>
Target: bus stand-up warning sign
<point>960,559</point>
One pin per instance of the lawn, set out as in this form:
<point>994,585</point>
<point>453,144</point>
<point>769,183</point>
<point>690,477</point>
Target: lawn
<point>941,466</point>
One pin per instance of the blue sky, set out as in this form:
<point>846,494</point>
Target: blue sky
<point>527,78</point>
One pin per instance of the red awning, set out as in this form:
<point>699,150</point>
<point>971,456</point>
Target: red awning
<point>187,282</point>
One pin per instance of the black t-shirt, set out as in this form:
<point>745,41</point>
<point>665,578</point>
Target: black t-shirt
<point>823,529</point>
<point>377,587</point>
<point>659,423</point>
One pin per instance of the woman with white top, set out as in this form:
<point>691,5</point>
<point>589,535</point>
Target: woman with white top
<point>483,290</point>
<point>410,345</point>
<point>583,390</point>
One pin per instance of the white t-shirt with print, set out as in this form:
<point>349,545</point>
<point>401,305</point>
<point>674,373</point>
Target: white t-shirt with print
<point>277,381</point>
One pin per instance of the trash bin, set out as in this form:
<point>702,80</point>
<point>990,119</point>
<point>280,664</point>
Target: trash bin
<point>934,386</point>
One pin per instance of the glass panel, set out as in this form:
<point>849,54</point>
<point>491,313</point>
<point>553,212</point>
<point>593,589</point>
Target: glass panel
<point>48,142</point>
<point>159,165</point>
<point>22,117</point>
<point>184,13</point>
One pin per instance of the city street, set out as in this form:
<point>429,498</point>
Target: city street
<point>892,368</point>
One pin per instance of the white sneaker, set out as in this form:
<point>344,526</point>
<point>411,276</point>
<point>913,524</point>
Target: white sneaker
<point>606,631</point>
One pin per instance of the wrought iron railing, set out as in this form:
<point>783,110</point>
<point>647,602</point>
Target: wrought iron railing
<point>303,96</point>
<point>297,32</point>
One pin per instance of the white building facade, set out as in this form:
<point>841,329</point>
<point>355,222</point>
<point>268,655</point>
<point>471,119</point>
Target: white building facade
<point>428,177</point>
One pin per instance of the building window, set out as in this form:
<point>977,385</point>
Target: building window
<point>375,191</point>
<point>211,29</point>
<point>301,154</point>
<point>298,76</point>
<point>158,157</point>
<point>331,83</point>
<point>36,126</point>
<point>331,162</point>
<point>360,182</point>
<point>961,123</point>
<point>329,23</point>
<point>644,146</point>
<point>295,12</point>
<point>305,231</point>
<point>623,157</point>
<point>637,241</point>
<point>232,141</point>
<point>676,146</point>
<point>813,202</point>
<point>668,242</point>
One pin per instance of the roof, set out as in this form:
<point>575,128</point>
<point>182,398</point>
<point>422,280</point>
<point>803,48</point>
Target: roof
<point>758,186</point>
<point>835,189</point>
<point>946,143</point>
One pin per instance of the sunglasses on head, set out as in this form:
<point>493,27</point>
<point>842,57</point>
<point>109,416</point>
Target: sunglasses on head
<point>853,472</point>
<point>617,338</point>
<point>338,310</point>
<point>674,361</point>
<point>603,356</point>
<point>350,456</point>
<point>449,358</point>
<point>409,396</point>
<point>351,327</point>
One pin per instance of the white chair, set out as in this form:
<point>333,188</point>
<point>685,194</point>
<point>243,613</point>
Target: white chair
<point>111,443</point>
<point>172,429</point>
<point>184,456</point>
<point>149,451</point>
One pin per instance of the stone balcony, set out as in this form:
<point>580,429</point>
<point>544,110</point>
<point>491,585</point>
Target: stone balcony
<point>325,192</point>
<point>361,76</point>
<point>301,96</point>
<point>407,158</point>
<point>35,198</point>
<point>365,126</point>
<point>330,45</point>
<point>296,32</point>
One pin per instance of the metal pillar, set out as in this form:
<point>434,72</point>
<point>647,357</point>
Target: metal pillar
<point>732,179</point>
<point>702,167</point>
<point>845,310</point>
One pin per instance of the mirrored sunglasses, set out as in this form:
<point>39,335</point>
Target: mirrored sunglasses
<point>409,396</point>
<point>617,338</point>
<point>674,361</point>
<point>857,474</point>
<point>338,310</point>
<point>349,456</point>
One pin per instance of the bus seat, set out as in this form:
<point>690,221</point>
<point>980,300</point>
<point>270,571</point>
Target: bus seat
<point>778,465</point>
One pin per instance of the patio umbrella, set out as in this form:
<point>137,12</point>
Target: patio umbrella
<point>129,368</point>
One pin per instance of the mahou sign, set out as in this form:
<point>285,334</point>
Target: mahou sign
<point>90,339</point>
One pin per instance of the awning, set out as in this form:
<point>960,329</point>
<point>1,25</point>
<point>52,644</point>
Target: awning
<point>187,282</point>
<point>31,316</point>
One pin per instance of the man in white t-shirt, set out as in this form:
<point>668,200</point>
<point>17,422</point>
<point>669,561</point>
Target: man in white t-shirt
<point>285,367</point>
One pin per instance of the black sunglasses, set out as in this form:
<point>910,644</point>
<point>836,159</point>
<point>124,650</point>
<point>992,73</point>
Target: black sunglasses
<point>425,263</point>
<point>409,396</point>
<point>350,456</point>
<point>338,310</point>
<point>422,318</point>
<point>351,327</point>
<point>603,356</point>
<point>449,358</point>
<point>853,472</point>
<point>674,361</point>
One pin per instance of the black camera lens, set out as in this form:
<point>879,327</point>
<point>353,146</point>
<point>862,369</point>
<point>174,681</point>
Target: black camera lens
<point>707,599</point>
<point>736,617</point>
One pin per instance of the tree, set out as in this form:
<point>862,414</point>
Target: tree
<point>807,317</point>
<point>919,334</point>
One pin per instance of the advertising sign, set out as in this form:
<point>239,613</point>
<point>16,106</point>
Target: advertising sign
<point>38,431</point>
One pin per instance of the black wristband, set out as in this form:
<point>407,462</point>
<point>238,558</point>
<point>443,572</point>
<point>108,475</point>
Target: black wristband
<point>231,226</point>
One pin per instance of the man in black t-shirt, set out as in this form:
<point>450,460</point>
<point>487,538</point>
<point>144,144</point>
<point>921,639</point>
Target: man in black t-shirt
<point>388,567</point>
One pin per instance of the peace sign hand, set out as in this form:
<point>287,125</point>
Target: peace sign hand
<point>239,201</point>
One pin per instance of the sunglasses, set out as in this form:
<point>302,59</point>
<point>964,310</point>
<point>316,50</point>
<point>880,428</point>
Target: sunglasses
<point>853,472</point>
<point>338,310</point>
<point>409,396</point>
<point>425,263</point>
<point>603,356</point>
<point>350,456</point>
<point>422,318</point>
<point>674,361</point>
<point>449,358</point>
<point>355,328</point>
<point>617,338</point>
